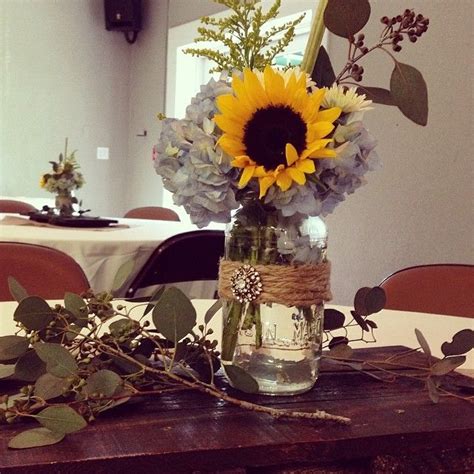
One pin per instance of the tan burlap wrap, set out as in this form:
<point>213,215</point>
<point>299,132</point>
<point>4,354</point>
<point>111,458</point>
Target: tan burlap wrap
<point>291,285</point>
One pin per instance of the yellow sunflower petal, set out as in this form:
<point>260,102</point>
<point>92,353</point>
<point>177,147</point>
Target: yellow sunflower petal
<point>329,115</point>
<point>265,183</point>
<point>274,85</point>
<point>229,125</point>
<point>284,180</point>
<point>324,153</point>
<point>320,130</point>
<point>296,175</point>
<point>241,161</point>
<point>230,106</point>
<point>306,166</point>
<point>255,91</point>
<point>260,172</point>
<point>231,146</point>
<point>247,175</point>
<point>291,154</point>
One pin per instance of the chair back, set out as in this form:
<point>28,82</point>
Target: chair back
<point>439,288</point>
<point>153,212</point>
<point>190,256</point>
<point>42,271</point>
<point>13,206</point>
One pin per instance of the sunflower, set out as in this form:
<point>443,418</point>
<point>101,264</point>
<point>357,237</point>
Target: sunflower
<point>273,128</point>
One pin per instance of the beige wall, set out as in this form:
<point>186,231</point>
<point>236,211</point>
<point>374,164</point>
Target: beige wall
<point>63,75</point>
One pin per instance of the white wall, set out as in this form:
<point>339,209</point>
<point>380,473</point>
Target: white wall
<point>63,75</point>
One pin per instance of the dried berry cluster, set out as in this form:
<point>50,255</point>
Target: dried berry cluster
<point>409,24</point>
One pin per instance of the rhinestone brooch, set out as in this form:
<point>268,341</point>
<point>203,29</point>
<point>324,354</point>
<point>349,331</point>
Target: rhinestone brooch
<point>246,284</point>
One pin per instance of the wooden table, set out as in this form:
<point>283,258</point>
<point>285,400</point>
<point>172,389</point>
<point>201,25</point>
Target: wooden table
<point>394,426</point>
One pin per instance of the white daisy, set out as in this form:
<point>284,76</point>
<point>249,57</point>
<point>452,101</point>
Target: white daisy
<point>347,99</point>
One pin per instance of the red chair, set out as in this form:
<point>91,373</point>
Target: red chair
<point>42,271</point>
<point>153,212</point>
<point>10,205</point>
<point>439,288</point>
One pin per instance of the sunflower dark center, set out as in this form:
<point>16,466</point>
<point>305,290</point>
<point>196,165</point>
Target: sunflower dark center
<point>269,130</point>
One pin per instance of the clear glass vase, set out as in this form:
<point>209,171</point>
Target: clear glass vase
<point>278,344</point>
<point>64,203</point>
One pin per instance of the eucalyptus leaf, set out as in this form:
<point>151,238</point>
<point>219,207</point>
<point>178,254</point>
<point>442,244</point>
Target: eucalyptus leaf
<point>126,366</point>
<point>423,343</point>
<point>16,290</point>
<point>323,73</point>
<point>103,382</point>
<point>29,367</point>
<point>61,419</point>
<point>212,311</point>
<point>375,300</point>
<point>154,298</point>
<point>6,370</point>
<point>123,274</point>
<point>12,347</point>
<point>447,365</point>
<point>34,438</point>
<point>359,301</point>
<point>341,351</point>
<point>240,379</point>
<point>377,95</point>
<point>333,319</point>
<point>409,91</point>
<point>78,307</point>
<point>119,327</point>
<point>346,17</point>
<point>59,361</point>
<point>34,313</point>
<point>49,386</point>
<point>463,341</point>
<point>174,315</point>
<point>432,390</point>
<point>360,321</point>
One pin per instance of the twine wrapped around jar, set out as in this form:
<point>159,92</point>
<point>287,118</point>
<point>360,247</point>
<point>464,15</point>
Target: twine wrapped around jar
<point>291,285</point>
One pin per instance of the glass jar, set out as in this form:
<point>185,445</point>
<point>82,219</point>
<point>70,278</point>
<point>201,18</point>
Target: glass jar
<point>64,203</point>
<point>275,340</point>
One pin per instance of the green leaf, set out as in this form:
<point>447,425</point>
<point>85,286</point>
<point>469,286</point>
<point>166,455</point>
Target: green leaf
<point>359,301</point>
<point>16,290</point>
<point>34,438</point>
<point>174,315</point>
<point>346,17</point>
<point>463,341</point>
<point>323,73</point>
<point>333,319</point>
<point>153,299</point>
<point>12,347</point>
<point>212,311</point>
<point>78,307</point>
<point>341,351</point>
<point>409,91</point>
<point>49,386</point>
<point>127,366</point>
<point>34,313</point>
<point>432,390</point>
<point>103,382</point>
<point>59,361</point>
<point>375,300</point>
<point>240,379</point>
<point>61,419</point>
<point>377,95</point>
<point>6,370</point>
<point>447,365</point>
<point>423,343</point>
<point>29,367</point>
<point>123,274</point>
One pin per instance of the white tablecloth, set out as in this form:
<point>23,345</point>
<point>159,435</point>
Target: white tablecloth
<point>100,251</point>
<point>395,328</point>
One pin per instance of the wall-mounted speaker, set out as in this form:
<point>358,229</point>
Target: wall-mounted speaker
<point>125,16</point>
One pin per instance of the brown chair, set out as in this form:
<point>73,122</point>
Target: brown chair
<point>10,205</point>
<point>439,288</point>
<point>153,212</point>
<point>42,271</point>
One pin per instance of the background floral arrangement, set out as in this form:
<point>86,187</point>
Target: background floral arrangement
<point>65,176</point>
<point>211,162</point>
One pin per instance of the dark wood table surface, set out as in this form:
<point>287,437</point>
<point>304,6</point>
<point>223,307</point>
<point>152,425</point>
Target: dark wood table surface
<point>395,428</point>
